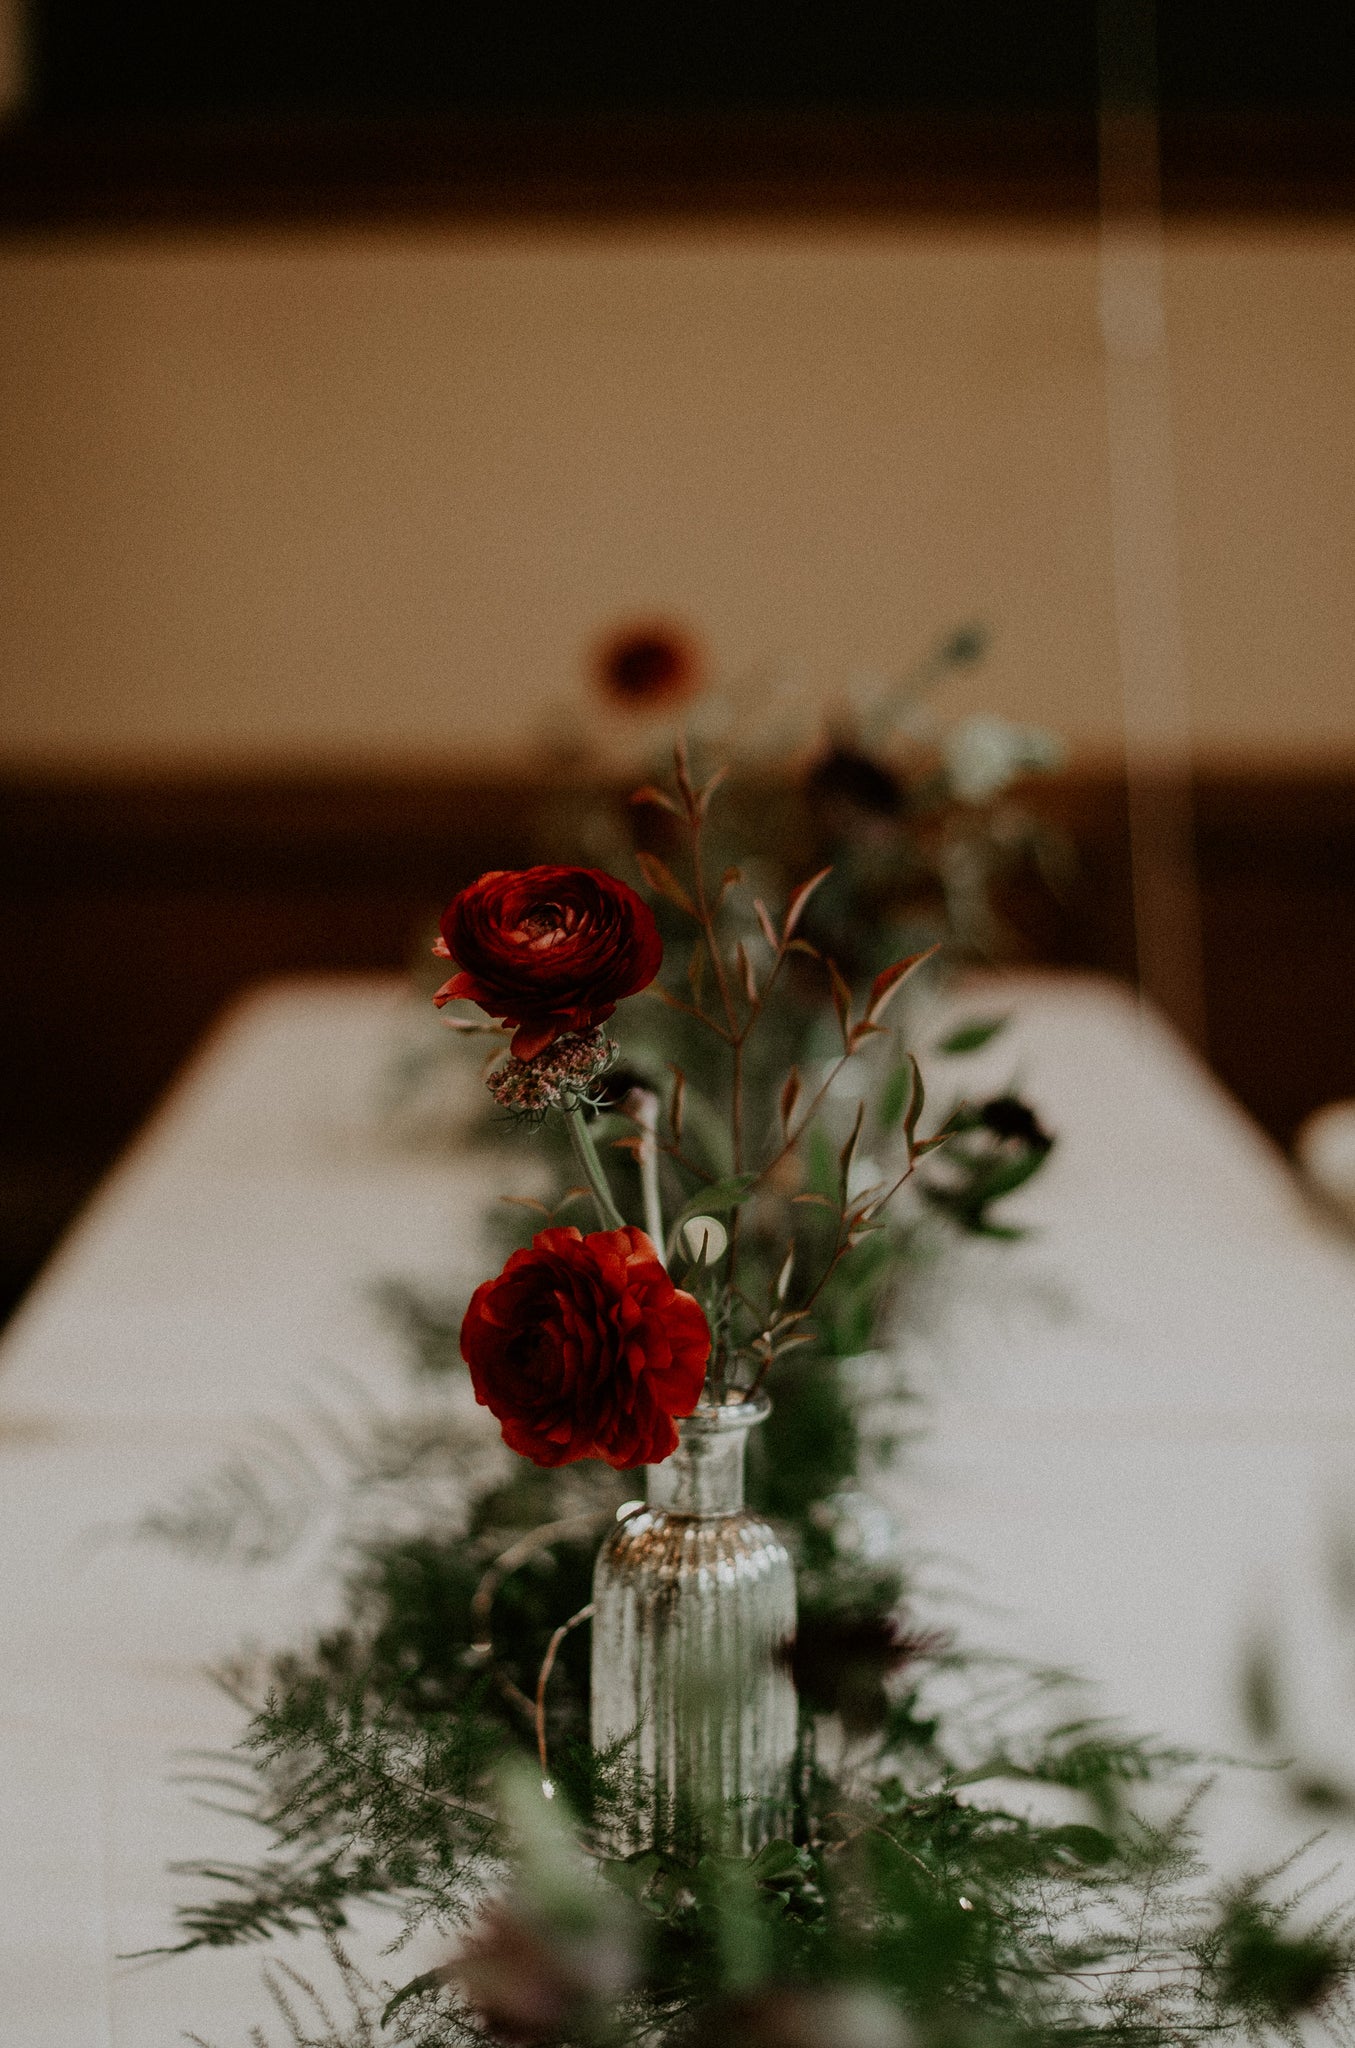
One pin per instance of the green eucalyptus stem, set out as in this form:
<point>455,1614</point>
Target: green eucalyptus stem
<point>586,1152</point>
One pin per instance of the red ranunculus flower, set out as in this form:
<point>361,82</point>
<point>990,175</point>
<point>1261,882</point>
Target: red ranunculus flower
<point>584,1348</point>
<point>548,950</point>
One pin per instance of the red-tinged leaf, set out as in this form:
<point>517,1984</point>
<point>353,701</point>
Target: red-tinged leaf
<point>634,1145</point>
<point>649,794</point>
<point>664,882</point>
<point>789,1343</point>
<point>842,1000</point>
<point>861,1032</point>
<point>819,1201</point>
<point>887,983</point>
<point>790,1095</point>
<point>795,909</point>
<point>526,1202</point>
<point>848,1152</point>
<point>704,796</point>
<point>677,1104</point>
<point>803,946</point>
<point>746,970</point>
<point>768,928</point>
<point>730,879</point>
<point>471,1024</point>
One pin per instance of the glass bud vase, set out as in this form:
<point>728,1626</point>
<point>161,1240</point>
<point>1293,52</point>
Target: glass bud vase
<point>694,1598</point>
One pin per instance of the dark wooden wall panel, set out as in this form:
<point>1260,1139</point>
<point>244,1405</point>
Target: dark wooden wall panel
<point>990,165</point>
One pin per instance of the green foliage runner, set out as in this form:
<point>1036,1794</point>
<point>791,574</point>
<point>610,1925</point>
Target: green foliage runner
<point>970,1861</point>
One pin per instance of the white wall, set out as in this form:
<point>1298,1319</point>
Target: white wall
<point>288,499</point>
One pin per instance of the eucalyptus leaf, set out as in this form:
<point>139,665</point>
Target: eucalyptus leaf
<point>916,1101</point>
<point>894,1097</point>
<point>970,1037</point>
<point>714,1200</point>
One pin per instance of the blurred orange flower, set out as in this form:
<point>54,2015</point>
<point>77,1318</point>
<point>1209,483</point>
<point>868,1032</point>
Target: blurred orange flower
<point>649,663</point>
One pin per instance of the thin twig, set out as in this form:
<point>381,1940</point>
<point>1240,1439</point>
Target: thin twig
<point>734,1035</point>
<point>482,1602</point>
<point>705,917</point>
<point>793,1138</point>
<point>665,995</point>
<point>543,1680</point>
<point>679,1157</point>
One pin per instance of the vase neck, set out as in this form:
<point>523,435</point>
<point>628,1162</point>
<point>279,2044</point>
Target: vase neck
<point>704,1475</point>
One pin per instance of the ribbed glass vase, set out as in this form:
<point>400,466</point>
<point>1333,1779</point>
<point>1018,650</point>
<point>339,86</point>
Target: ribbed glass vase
<point>694,1598</point>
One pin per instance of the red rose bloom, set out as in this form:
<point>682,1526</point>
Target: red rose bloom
<point>548,950</point>
<point>584,1348</point>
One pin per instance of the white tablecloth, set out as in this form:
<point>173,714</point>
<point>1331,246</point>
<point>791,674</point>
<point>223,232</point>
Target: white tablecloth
<point>1140,1447</point>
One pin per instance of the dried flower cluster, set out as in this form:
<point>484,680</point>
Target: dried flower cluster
<point>563,1077</point>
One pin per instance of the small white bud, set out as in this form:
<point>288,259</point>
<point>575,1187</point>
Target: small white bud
<point>707,1231</point>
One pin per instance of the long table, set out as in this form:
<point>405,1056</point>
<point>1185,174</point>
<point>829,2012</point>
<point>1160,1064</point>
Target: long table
<point>1135,1457</point>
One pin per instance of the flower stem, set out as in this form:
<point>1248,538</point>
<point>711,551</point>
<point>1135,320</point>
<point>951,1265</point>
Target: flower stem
<point>586,1152</point>
<point>646,1113</point>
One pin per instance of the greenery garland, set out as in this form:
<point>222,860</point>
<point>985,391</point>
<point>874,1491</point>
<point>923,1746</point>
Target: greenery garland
<point>398,1757</point>
<point>912,1889</point>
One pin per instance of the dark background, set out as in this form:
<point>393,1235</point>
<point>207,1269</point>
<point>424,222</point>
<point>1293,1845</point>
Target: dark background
<point>239,110</point>
<point>156,57</point>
